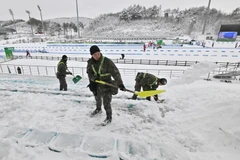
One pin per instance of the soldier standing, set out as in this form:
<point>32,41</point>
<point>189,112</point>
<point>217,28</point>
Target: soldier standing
<point>102,68</point>
<point>62,72</point>
<point>148,82</point>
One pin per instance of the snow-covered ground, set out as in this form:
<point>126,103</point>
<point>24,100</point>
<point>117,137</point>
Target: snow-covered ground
<point>199,120</point>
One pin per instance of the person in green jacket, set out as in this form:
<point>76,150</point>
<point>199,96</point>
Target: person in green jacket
<point>148,82</point>
<point>62,71</point>
<point>102,68</point>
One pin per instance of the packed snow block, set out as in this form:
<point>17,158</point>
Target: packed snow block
<point>128,150</point>
<point>65,141</point>
<point>37,138</point>
<point>8,132</point>
<point>167,151</point>
<point>4,129</point>
<point>18,133</point>
<point>99,147</point>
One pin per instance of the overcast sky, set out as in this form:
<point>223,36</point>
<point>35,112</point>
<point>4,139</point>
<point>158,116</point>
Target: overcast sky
<point>93,8</point>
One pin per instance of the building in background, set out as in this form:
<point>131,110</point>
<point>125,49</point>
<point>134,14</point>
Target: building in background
<point>5,30</point>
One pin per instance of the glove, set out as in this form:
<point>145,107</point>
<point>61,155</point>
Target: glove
<point>93,87</point>
<point>97,77</point>
<point>122,87</point>
<point>155,97</point>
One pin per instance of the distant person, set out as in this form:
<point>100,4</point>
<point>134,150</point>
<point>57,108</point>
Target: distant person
<point>19,70</point>
<point>203,44</point>
<point>28,53</point>
<point>62,71</point>
<point>101,68</point>
<point>149,44</point>
<point>159,46</point>
<point>212,44</point>
<point>44,50</point>
<point>154,45</point>
<point>122,56</point>
<point>144,47</point>
<point>236,45</point>
<point>148,82</point>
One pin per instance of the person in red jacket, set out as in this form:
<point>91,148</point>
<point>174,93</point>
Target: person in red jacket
<point>144,47</point>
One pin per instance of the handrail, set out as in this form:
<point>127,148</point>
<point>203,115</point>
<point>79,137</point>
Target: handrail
<point>51,71</point>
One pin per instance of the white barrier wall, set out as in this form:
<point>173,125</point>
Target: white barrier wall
<point>171,53</point>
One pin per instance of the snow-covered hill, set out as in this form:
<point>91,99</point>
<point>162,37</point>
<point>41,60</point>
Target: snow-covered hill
<point>62,20</point>
<point>137,21</point>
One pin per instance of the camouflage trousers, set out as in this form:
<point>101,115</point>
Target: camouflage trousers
<point>63,83</point>
<point>104,96</point>
<point>138,86</point>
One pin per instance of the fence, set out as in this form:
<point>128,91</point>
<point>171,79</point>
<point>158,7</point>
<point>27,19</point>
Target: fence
<point>51,70</point>
<point>133,61</point>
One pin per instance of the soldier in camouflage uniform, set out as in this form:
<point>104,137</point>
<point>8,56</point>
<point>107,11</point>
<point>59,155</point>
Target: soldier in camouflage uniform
<point>102,68</point>
<point>148,82</point>
<point>62,72</point>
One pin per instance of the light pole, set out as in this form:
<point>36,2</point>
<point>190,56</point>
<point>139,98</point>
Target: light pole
<point>41,17</point>
<point>206,17</point>
<point>28,12</point>
<point>11,12</point>
<point>77,19</point>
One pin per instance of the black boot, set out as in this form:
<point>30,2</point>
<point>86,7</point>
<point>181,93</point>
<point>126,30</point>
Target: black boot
<point>134,97</point>
<point>96,111</point>
<point>148,98</point>
<point>106,121</point>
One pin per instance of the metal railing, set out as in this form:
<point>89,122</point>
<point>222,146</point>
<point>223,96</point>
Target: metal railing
<point>51,71</point>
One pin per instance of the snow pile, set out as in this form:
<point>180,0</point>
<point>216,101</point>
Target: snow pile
<point>197,72</point>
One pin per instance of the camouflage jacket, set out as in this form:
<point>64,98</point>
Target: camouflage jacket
<point>147,79</point>
<point>62,69</point>
<point>103,70</point>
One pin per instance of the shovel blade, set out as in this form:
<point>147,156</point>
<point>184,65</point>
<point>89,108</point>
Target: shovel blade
<point>76,79</point>
<point>144,94</point>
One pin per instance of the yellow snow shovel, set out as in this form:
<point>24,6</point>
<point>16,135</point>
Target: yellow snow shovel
<point>142,94</point>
